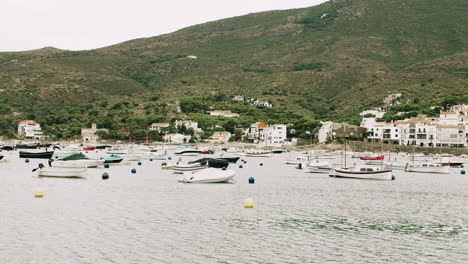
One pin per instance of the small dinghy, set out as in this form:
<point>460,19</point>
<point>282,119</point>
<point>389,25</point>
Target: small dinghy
<point>210,175</point>
<point>60,172</point>
<point>36,155</point>
<point>113,159</point>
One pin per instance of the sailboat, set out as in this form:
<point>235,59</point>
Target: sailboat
<point>362,171</point>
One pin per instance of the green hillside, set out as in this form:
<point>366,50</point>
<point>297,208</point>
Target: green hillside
<point>325,62</point>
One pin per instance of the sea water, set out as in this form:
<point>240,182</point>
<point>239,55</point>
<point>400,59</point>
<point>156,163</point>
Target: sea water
<point>298,217</point>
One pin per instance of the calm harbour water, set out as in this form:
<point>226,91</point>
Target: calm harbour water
<point>149,217</point>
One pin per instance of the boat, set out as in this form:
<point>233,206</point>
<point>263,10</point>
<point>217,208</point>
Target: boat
<point>25,146</point>
<point>113,159</point>
<point>210,175</point>
<point>230,159</point>
<point>372,158</point>
<point>6,148</point>
<point>388,165</point>
<point>428,168</point>
<point>258,154</point>
<point>36,155</point>
<point>60,172</point>
<point>453,164</point>
<point>211,162</point>
<point>278,151</point>
<point>362,172</point>
<point>318,167</point>
<point>188,167</point>
<point>207,152</point>
<point>188,152</point>
<point>297,160</point>
<point>89,148</point>
<point>102,147</point>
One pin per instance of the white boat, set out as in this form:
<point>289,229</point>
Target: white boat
<point>258,154</point>
<point>362,172</point>
<point>318,167</point>
<point>62,172</point>
<point>297,160</point>
<point>89,163</point>
<point>428,168</point>
<point>131,157</point>
<point>188,167</point>
<point>210,175</point>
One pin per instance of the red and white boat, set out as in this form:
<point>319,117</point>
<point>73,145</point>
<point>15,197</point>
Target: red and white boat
<point>372,158</point>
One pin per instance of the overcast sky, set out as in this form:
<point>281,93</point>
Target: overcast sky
<point>89,24</point>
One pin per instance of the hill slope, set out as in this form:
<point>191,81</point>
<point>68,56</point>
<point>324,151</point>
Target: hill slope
<point>319,61</point>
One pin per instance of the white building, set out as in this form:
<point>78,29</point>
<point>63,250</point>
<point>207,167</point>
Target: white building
<point>223,113</point>
<point>188,124</point>
<point>220,137</point>
<point>262,103</point>
<point>30,129</point>
<point>238,98</point>
<point>274,135</point>
<point>158,126</point>
<point>89,134</point>
<point>176,138</point>
<point>451,136</point>
<point>256,131</point>
<point>459,109</point>
<point>326,131</point>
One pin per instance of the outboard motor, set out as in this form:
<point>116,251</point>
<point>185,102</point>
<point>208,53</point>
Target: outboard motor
<point>50,162</point>
<point>299,166</point>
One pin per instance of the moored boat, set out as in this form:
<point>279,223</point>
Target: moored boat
<point>36,155</point>
<point>188,152</point>
<point>362,172</point>
<point>428,168</point>
<point>210,175</point>
<point>371,158</point>
<point>258,154</point>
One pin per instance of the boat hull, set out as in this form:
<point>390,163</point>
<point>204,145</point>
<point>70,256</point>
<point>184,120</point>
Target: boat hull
<point>36,155</point>
<point>374,175</point>
<point>210,175</point>
<point>62,173</point>
<point>437,170</point>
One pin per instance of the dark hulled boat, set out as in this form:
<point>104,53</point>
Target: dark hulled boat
<point>36,155</point>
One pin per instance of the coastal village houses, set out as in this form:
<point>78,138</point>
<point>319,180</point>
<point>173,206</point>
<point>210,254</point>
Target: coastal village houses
<point>159,126</point>
<point>220,137</point>
<point>89,134</point>
<point>449,129</point>
<point>270,135</point>
<point>176,138</point>
<point>30,130</point>
<point>188,124</point>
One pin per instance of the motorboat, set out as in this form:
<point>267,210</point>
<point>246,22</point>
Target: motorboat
<point>362,172</point>
<point>36,155</point>
<point>188,167</point>
<point>90,163</point>
<point>60,172</point>
<point>112,159</point>
<point>210,175</point>
<point>318,167</point>
<point>211,162</point>
<point>258,154</point>
<point>297,160</point>
<point>428,168</point>
<point>371,158</point>
<point>188,152</point>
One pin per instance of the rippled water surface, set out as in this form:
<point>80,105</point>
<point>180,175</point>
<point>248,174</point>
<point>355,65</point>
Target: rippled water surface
<point>149,217</point>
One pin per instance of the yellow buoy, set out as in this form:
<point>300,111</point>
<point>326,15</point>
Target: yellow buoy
<point>248,203</point>
<point>39,193</point>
